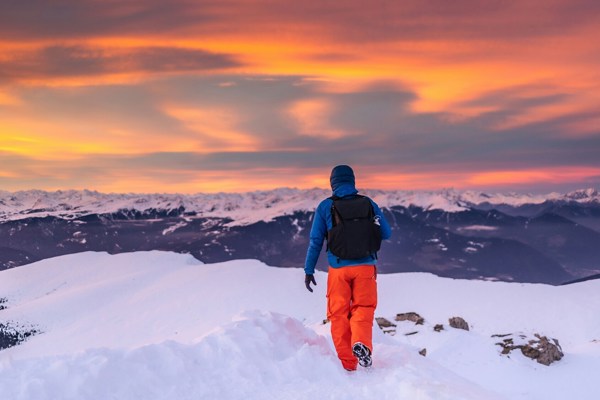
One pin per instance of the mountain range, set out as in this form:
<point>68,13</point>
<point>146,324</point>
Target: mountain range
<point>549,238</point>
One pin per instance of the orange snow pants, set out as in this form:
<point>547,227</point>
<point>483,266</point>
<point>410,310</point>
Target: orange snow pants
<point>351,302</point>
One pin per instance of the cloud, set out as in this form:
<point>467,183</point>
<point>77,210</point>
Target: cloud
<point>352,20</point>
<point>68,61</point>
<point>192,172</point>
<point>249,120</point>
<point>193,131</point>
<point>260,104</point>
<point>525,96</point>
<point>35,19</point>
<point>94,91</point>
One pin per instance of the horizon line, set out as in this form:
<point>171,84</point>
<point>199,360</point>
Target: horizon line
<point>281,188</point>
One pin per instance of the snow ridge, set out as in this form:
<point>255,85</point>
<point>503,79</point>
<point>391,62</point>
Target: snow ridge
<point>157,325</point>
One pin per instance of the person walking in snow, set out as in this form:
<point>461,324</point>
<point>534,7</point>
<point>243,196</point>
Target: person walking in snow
<point>354,227</point>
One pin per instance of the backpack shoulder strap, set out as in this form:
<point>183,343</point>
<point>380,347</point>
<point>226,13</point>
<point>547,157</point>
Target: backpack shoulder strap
<point>335,215</point>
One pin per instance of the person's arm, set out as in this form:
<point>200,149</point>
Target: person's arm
<point>386,230</point>
<point>317,237</point>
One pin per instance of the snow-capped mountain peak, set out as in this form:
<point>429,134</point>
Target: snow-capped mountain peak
<point>247,208</point>
<point>584,195</point>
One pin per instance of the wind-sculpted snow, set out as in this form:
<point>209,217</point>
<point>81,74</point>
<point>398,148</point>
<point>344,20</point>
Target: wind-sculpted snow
<point>259,356</point>
<point>158,325</point>
<point>248,208</point>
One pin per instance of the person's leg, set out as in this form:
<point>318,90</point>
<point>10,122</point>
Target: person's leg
<point>339,293</point>
<point>364,302</point>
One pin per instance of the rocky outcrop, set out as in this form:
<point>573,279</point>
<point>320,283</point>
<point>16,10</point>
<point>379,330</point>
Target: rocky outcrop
<point>386,325</point>
<point>458,323</point>
<point>541,349</point>
<point>411,316</point>
<point>12,334</point>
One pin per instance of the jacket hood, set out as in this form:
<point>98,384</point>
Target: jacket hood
<point>342,181</point>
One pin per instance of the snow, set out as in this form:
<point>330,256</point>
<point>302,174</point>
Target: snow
<point>251,207</point>
<point>173,228</point>
<point>159,325</point>
<point>478,228</point>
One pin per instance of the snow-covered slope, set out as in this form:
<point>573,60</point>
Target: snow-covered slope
<point>159,325</point>
<point>246,208</point>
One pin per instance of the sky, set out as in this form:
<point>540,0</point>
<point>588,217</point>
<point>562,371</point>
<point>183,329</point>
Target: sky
<point>237,95</point>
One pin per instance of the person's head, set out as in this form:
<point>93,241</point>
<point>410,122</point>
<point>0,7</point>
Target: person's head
<point>340,175</point>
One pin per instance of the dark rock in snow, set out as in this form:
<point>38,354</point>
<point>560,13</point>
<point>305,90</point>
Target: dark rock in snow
<point>438,327</point>
<point>410,316</point>
<point>541,349</point>
<point>458,323</point>
<point>386,325</point>
<point>12,334</point>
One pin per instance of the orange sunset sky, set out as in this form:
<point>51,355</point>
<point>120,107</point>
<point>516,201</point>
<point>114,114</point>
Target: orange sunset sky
<point>237,95</point>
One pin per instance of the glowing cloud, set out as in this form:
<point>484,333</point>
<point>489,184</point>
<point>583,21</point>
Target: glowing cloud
<point>236,94</point>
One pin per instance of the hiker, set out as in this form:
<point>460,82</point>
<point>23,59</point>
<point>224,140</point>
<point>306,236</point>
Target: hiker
<point>352,256</point>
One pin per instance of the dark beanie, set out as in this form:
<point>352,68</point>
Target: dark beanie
<point>341,174</point>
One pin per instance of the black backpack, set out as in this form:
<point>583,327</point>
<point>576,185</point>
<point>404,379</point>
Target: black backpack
<point>356,232</point>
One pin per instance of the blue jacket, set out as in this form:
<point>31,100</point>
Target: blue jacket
<point>322,223</point>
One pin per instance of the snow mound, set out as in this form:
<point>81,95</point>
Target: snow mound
<point>259,356</point>
<point>157,325</point>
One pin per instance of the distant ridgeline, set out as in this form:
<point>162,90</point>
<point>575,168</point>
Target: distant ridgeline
<point>548,239</point>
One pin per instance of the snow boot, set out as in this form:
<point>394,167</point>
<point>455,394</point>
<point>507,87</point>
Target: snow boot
<point>363,353</point>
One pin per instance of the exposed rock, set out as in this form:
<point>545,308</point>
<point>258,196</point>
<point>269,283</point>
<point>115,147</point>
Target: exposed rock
<point>508,343</point>
<point>411,333</point>
<point>423,352</point>
<point>545,351</point>
<point>438,327</point>
<point>386,325</point>
<point>410,316</point>
<point>12,335</point>
<point>3,301</point>
<point>458,323</point>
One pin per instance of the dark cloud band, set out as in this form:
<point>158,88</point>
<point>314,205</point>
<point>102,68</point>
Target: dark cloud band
<point>77,61</point>
<point>353,20</point>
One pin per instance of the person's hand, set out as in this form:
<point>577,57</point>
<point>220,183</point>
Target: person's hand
<point>307,280</point>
